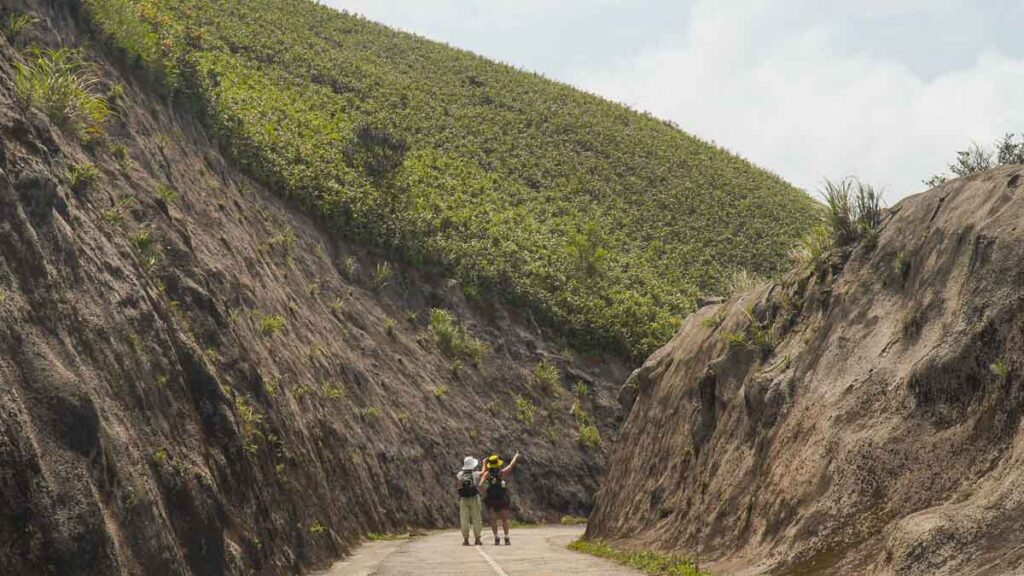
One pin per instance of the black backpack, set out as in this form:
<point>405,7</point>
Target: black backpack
<point>495,487</point>
<point>468,488</point>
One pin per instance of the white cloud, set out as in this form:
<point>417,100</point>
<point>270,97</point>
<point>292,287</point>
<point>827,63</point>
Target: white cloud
<point>786,95</point>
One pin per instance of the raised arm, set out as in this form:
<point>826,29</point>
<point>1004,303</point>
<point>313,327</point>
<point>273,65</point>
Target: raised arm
<point>483,478</point>
<point>511,464</point>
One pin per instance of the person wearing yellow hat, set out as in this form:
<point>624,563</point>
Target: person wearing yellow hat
<point>494,482</point>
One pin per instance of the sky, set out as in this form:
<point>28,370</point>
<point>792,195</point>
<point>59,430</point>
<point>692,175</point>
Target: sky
<point>810,89</point>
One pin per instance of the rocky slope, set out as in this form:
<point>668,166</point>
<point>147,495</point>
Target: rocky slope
<point>196,379</point>
<point>865,421</point>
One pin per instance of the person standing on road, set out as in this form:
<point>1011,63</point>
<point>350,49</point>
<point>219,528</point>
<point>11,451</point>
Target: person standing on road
<point>467,484</point>
<point>494,481</point>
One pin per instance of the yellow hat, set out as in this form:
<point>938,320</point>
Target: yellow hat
<point>495,461</point>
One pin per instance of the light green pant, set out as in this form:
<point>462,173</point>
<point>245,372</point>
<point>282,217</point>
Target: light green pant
<point>469,516</point>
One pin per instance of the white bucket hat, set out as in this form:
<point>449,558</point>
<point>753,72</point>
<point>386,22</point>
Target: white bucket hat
<point>470,463</point>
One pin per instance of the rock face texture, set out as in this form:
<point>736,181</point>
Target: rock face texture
<point>196,379</point>
<point>862,421</point>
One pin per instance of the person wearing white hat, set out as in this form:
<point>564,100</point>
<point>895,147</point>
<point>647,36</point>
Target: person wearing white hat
<point>467,484</point>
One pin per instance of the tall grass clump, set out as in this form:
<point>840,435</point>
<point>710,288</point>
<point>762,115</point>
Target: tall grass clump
<point>16,25</point>
<point>854,210</point>
<point>743,281</point>
<point>453,339</point>
<point>812,253</point>
<point>82,177</point>
<point>547,375</point>
<point>63,86</point>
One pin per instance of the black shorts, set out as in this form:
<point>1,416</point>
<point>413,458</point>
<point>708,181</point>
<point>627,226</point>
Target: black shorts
<point>497,506</point>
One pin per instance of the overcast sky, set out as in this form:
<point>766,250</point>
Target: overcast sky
<point>883,89</point>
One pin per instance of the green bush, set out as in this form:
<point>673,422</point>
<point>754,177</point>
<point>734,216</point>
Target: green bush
<point>82,177</point>
<point>16,24</point>
<point>547,376</point>
<point>270,325</point>
<point>582,390</point>
<point>61,85</point>
<point>854,209</point>
<point>605,222</point>
<point>975,158</point>
<point>382,275</point>
<point>453,339</point>
<point>743,281</point>
<point>525,410</point>
<point>812,254</point>
<point>589,436</point>
<point>166,193</point>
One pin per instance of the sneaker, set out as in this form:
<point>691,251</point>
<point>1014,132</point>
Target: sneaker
<point>507,541</point>
<point>497,541</point>
<point>465,542</point>
<point>478,543</point>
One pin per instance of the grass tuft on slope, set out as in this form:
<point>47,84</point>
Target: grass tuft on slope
<point>607,223</point>
<point>645,561</point>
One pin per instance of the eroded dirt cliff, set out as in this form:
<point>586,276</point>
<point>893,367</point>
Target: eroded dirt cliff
<point>197,379</point>
<point>863,421</point>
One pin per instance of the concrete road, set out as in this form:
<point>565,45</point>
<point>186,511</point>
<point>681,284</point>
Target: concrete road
<point>534,552</point>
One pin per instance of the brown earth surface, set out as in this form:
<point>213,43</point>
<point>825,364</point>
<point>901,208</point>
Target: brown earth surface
<point>152,422</point>
<point>871,424</point>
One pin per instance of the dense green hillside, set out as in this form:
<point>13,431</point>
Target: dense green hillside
<point>606,222</point>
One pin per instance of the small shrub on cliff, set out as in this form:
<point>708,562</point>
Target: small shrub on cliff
<point>975,158</point>
<point>62,86</point>
<point>589,436</point>
<point>166,193</point>
<point>160,456</point>
<point>812,253</point>
<point>382,276</point>
<point>283,243</point>
<point>349,268</point>
<point>15,25</point>
<point>453,339</point>
<point>525,410</point>
<point>331,391</point>
<point>743,281</point>
<point>370,413</point>
<point>714,321</point>
<point>854,210</point>
<point>143,240</point>
<point>756,335</point>
<point>121,154</point>
<point>582,390</point>
<point>270,325</point>
<point>1000,369</point>
<point>547,375</point>
<point>82,177</point>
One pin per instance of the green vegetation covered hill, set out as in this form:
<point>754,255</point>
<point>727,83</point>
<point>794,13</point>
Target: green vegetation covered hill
<point>605,222</point>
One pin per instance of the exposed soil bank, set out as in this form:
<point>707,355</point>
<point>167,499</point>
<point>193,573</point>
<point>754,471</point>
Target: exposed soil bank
<point>871,426</point>
<point>197,379</point>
